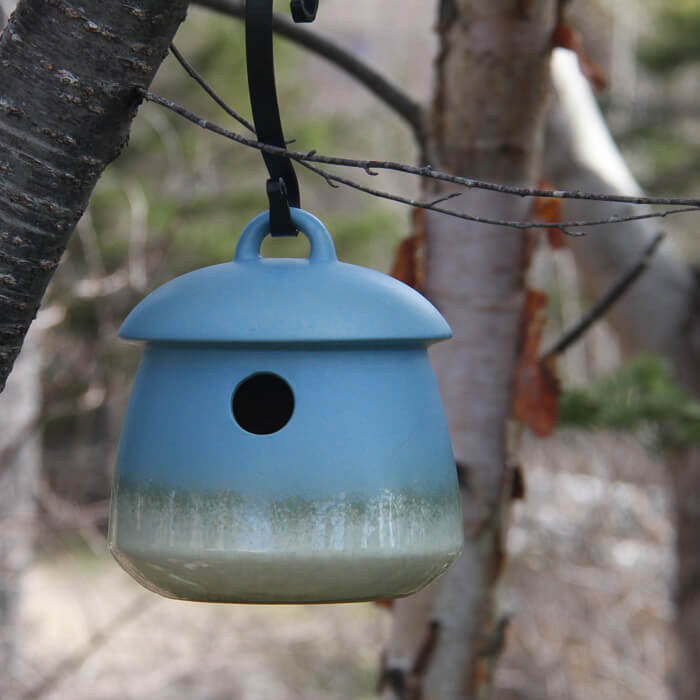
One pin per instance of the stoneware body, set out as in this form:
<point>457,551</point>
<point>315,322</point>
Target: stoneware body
<point>285,440</point>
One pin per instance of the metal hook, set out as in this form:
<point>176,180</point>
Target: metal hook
<point>304,10</point>
<point>282,187</point>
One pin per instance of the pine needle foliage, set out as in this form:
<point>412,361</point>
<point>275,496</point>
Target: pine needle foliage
<point>675,41</point>
<point>641,397</point>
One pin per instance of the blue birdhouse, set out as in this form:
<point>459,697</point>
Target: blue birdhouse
<point>285,440</point>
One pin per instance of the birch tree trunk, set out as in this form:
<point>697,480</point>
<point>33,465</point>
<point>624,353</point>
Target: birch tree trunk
<point>487,119</point>
<point>68,75</point>
<point>661,313</point>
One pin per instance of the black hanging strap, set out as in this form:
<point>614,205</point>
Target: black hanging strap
<point>282,187</point>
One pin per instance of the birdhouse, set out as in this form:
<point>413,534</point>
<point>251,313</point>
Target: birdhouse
<point>285,440</point>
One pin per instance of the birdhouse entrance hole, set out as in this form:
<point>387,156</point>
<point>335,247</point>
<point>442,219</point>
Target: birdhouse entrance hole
<point>263,403</point>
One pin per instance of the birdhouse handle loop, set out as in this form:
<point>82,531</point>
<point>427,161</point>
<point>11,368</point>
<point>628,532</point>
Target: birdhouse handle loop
<point>322,247</point>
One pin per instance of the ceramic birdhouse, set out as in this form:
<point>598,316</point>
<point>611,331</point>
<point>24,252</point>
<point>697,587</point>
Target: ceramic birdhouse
<point>285,440</point>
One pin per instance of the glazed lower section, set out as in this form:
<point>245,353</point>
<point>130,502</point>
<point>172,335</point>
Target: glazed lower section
<point>216,546</point>
<point>278,577</point>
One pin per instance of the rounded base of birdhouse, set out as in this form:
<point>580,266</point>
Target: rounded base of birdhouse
<point>216,546</point>
<point>264,577</point>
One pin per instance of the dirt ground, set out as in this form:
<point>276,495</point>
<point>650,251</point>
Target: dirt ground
<point>587,587</point>
<point>165,649</point>
<point>591,570</point>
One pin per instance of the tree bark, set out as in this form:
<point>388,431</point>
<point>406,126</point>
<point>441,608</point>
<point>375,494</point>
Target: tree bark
<point>486,122</point>
<point>69,75</point>
<point>661,314</point>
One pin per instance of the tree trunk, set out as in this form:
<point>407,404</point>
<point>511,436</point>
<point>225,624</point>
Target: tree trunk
<point>486,122</point>
<point>68,97</point>
<point>68,74</point>
<point>660,314</point>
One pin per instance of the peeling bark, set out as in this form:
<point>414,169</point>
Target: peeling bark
<point>68,74</point>
<point>487,122</point>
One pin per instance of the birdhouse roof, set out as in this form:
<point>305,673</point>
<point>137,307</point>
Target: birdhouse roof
<point>280,300</point>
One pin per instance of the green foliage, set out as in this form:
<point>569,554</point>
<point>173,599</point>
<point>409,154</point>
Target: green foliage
<point>675,40</point>
<point>659,131</point>
<point>368,236</point>
<point>641,397</point>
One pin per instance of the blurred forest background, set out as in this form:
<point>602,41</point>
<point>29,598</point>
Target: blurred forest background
<point>591,547</point>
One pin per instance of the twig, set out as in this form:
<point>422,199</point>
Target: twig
<point>97,640</point>
<point>377,84</point>
<point>601,307</point>
<point>421,171</point>
<point>418,204</point>
<point>445,198</point>
<point>209,90</point>
<point>369,166</point>
<point>563,225</point>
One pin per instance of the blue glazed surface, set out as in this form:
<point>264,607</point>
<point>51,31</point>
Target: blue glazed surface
<point>364,419</point>
<point>262,300</point>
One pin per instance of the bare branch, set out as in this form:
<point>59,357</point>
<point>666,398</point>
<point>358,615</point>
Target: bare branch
<point>369,166</point>
<point>418,204</point>
<point>607,300</point>
<point>445,198</point>
<point>209,90</point>
<point>563,225</point>
<point>377,84</point>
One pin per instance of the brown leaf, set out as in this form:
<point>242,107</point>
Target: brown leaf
<point>408,263</point>
<point>556,238</point>
<point>536,391</point>
<point>567,37</point>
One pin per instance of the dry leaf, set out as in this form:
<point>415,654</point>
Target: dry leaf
<point>408,263</point>
<point>556,238</point>
<point>536,393</point>
<point>567,37</point>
